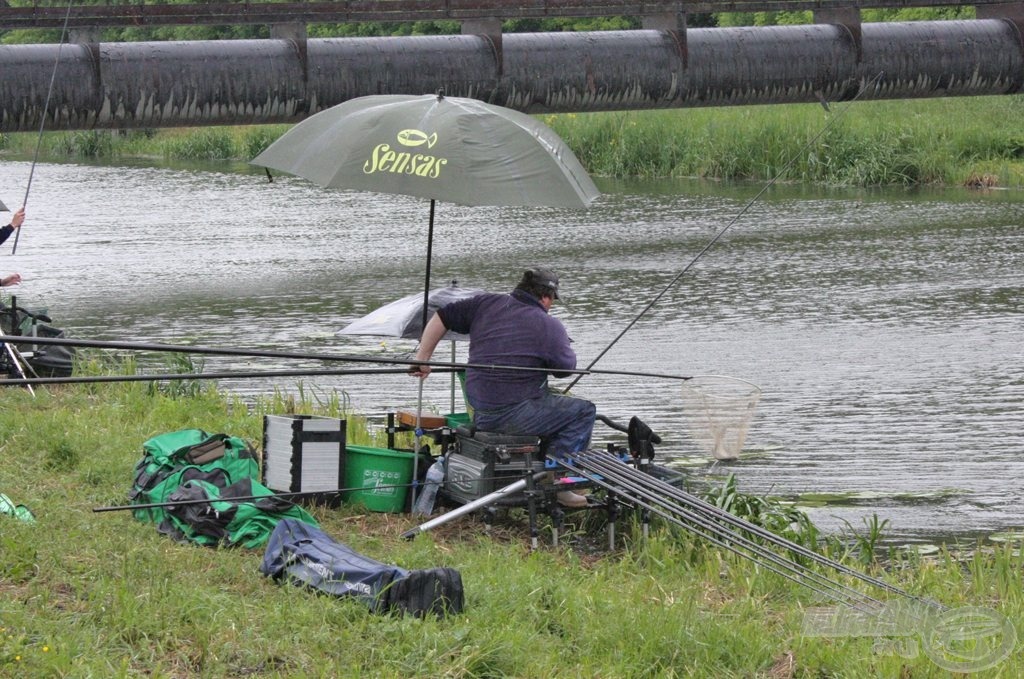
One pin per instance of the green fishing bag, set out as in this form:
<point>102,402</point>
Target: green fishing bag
<point>172,459</point>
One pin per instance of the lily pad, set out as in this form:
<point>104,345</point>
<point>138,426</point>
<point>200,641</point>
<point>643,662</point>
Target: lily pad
<point>870,496</point>
<point>1008,536</point>
<point>922,549</point>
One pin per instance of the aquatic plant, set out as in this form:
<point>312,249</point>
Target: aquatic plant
<point>865,544</point>
<point>781,519</point>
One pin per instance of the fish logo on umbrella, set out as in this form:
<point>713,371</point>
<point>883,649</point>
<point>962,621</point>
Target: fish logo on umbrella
<point>383,158</point>
<point>417,138</point>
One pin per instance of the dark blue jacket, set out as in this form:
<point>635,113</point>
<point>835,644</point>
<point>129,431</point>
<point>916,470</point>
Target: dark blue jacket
<point>511,330</point>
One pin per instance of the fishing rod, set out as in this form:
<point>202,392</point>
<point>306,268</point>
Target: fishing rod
<point>91,379</point>
<point>270,353</point>
<point>778,175</point>
<point>607,472</point>
<point>709,528</point>
<point>291,494</point>
<point>241,498</point>
<point>42,120</point>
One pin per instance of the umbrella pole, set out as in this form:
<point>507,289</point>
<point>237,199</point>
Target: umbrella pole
<point>453,380</point>
<point>426,311</point>
<point>416,450</point>
<point>430,253</point>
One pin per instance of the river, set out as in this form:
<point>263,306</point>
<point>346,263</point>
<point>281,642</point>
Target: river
<point>884,327</point>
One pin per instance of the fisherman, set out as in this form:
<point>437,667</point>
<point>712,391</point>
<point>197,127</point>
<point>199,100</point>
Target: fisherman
<point>516,330</point>
<point>5,233</point>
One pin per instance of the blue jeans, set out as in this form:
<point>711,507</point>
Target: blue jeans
<point>564,423</point>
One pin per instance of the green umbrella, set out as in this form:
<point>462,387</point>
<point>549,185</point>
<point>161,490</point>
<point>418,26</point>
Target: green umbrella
<point>451,149</point>
<point>445,148</point>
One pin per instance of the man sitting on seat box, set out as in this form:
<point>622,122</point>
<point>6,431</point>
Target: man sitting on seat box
<point>516,330</point>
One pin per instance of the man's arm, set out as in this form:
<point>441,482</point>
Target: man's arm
<point>433,333</point>
<point>16,222</point>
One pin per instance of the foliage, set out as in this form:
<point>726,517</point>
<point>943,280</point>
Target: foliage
<point>943,141</point>
<point>866,544</point>
<point>204,144</point>
<point>772,515</point>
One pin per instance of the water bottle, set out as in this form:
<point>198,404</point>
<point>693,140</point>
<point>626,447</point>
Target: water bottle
<point>428,494</point>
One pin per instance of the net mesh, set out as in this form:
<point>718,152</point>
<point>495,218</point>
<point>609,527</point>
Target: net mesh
<point>718,410</point>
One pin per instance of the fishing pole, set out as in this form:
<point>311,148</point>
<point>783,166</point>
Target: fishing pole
<point>707,528</point>
<point>92,379</point>
<point>42,120</point>
<point>715,239</point>
<point>241,498</point>
<point>605,471</point>
<point>270,353</point>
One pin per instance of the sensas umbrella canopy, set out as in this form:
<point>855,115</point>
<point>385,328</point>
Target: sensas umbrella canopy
<point>443,148</point>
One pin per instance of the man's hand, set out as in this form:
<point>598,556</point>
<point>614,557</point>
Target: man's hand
<point>18,219</point>
<point>13,279</point>
<point>420,371</point>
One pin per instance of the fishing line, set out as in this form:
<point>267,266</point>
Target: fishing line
<point>750,203</point>
<point>42,120</point>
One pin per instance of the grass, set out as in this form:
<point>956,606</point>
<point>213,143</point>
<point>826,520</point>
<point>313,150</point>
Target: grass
<point>972,141</point>
<point>975,141</point>
<point>101,595</point>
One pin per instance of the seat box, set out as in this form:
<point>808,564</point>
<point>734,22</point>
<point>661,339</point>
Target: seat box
<point>485,462</point>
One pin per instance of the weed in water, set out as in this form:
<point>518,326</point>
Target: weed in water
<point>866,544</point>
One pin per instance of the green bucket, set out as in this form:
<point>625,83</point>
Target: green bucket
<point>383,474</point>
<point>453,420</point>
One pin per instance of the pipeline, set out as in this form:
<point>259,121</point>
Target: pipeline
<point>239,82</point>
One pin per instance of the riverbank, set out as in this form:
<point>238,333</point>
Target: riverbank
<point>974,141</point>
<point>87,594</point>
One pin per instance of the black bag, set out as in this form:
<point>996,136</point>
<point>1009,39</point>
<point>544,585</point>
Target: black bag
<point>305,555</point>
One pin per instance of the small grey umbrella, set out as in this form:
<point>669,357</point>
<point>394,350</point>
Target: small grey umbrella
<point>403,318</point>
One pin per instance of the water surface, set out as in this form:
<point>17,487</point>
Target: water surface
<point>883,327</point>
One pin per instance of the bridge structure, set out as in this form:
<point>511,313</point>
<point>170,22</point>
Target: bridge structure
<point>663,64</point>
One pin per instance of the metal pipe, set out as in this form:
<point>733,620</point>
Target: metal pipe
<point>476,504</point>
<point>231,82</point>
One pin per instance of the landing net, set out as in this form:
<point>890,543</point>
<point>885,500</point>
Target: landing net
<point>718,411</point>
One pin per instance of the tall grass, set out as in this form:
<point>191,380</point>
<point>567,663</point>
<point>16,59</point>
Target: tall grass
<point>102,595</point>
<point>943,141</point>
<point>966,141</point>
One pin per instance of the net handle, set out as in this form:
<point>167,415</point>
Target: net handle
<point>692,382</point>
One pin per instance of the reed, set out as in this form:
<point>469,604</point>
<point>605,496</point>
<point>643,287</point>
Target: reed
<point>943,141</point>
<point>102,595</point>
<point>976,141</point>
